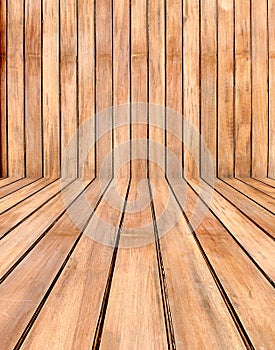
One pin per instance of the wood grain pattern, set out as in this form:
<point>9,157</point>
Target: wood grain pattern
<point>3,87</point>
<point>68,74</point>
<point>271,87</point>
<point>208,115</point>
<point>32,96</point>
<point>16,138</point>
<point>139,86</point>
<point>259,90</point>
<point>225,89</point>
<point>242,123</point>
<point>191,88</point>
<point>174,87</point>
<point>51,101</point>
<point>86,86</point>
<point>121,88</point>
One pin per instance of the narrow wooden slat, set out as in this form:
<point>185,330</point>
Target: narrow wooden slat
<point>225,89</point>
<point>7,181</point>
<point>104,86</point>
<point>121,88</point>
<point>260,186</point>
<point>77,280</point>
<point>69,117</point>
<point>23,298</point>
<point>51,122</point>
<point>139,86</point>
<point>86,81</point>
<point>20,240</point>
<point>156,22</point>
<point>33,88</point>
<point>3,86</point>
<point>243,89</point>
<point>191,88</point>
<point>30,189</point>
<point>174,87</point>
<point>248,291</point>
<point>260,198</point>
<point>136,271</point>
<point>271,44</point>
<point>268,181</point>
<point>258,245</point>
<point>15,91</point>
<point>208,85</point>
<point>14,186</point>
<point>258,214</point>
<point>259,90</point>
<point>190,284</point>
<point>48,197</point>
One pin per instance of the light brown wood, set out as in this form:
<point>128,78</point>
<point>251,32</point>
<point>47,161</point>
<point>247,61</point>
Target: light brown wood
<point>271,87</point>
<point>121,88</point>
<point>104,87</point>
<point>68,76</point>
<point>156,22</point>
<point>242,122</point>
<point>225,89</point>
<point>15,122</point>
<point>259,89</point>
<point>139,86</point>
<point>174,87</point>
<point>32,96</point>
<point>51,87</point>
<point>208,115</point>
<point>3,86</point>
<point>191,88</point>
<point>86,86</point>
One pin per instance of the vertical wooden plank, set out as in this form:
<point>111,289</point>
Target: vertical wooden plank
<point>243,89</point>
<point>3,71</point>
<point>104,84</point>
<point>191,88</point>
<point>68,51</point>
<point>271,25</point>
<point>16,157</point>
<point>139,86</point>
<point>174,85</point>
<point>156,21</point>
<point>121,69</point>
<point>225,88</point>
<point>259,89</point>
<point>86,87</point>
<point>33,88</point>
<point>208,84</point>
<point>51,122</point>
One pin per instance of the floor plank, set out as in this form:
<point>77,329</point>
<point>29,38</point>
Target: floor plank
<point>24,290</point>
<point>14,186</point>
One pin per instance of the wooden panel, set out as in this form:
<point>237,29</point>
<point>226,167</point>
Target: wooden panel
<point>104,86</point>
<point>242,89</point>
<point>259,89</point>
<point>271,33</point>
<point>191,88</point>
<point>16,139</point>
<point>86,81</point>
<point>33,88</point>
<point>121,88</point>
<point>208,85</point>
<point>225,89</point>
<point>68,73</point>
<point>156,43</point>
<point>136,270</point>
<point>51,121</point>
<point>174,87</point>
<point>3,86</point>
<point>139,86</point>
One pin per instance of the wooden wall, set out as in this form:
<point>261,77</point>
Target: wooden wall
<point>64,60</point>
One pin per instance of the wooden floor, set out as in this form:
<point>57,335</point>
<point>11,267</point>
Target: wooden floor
<point>147,266</point>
